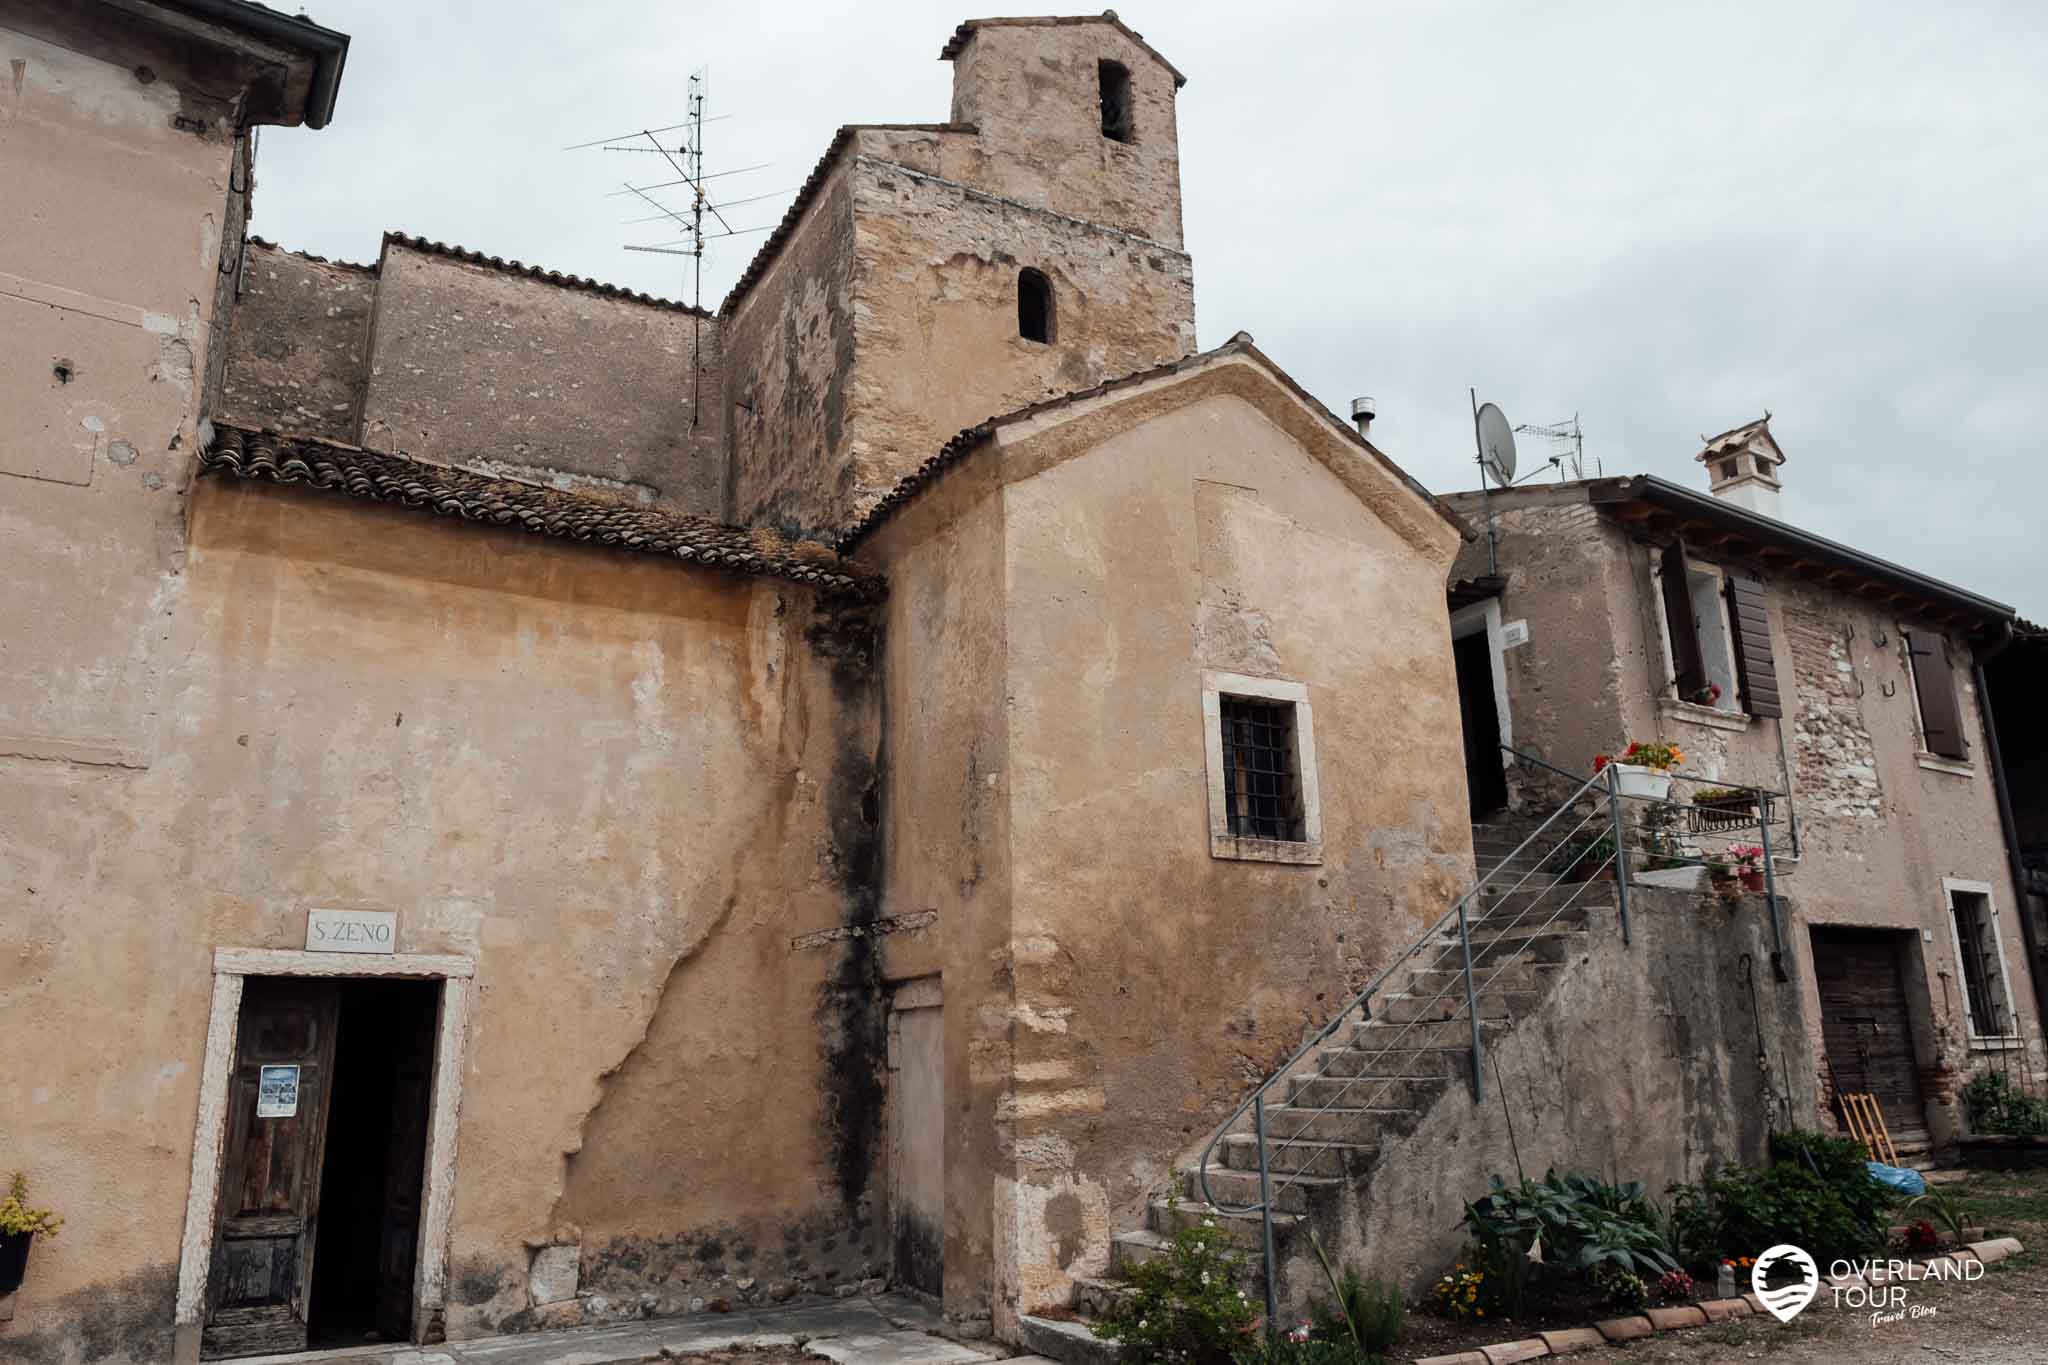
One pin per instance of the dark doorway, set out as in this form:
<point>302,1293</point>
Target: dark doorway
<point>367,1239</point>
<point>1484,776</point>
<point>1867,1025</point>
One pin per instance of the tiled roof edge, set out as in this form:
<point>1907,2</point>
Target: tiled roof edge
<point>962,34</point>
<point>779,238</point>
<point>368,269</point>
<point>534,272</point>
<point>378,476</point>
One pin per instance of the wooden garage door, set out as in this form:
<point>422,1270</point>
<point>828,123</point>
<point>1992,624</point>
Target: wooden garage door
<point>1866,1026</point>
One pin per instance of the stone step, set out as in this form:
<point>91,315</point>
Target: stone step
<point>1292,1190</point>
<point>1242,1229</point>
<point>1240,1152</point>
<point>1128,1249</point>
<point>1555,943</point>
<point>1095,1297</point>
<point>1359,1126</point>
<point>1070,1343</point>
<point>1517,916</point>
<point>1449,1005</point>
<point>1368,1091</point>
<point>1373,1036</point>
<point>1499,976</point>
<point>1419,1063</point>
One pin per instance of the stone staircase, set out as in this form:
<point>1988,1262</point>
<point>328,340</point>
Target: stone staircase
<point>1372,1080</point>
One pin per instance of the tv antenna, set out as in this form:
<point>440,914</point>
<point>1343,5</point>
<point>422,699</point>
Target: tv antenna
<point>1567,446</point>
<point>686,159</point>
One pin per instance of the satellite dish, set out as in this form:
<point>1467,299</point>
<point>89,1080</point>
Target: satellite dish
<point>1496,444</point>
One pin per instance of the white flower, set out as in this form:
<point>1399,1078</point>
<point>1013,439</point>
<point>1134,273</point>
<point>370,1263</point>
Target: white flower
<point>1205,1277</point>
<point>1208,1222</point>
<point>1240,1293</point>
<point>1141,1322</point>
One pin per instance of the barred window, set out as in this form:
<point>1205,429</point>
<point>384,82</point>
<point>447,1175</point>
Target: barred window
<point>1262,788</point>
<point>1985,1000</point>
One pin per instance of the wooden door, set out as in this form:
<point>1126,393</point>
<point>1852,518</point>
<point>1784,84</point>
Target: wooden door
<point>917,1155</point>
<point>262,1270</point>
<point>1866,1025</point>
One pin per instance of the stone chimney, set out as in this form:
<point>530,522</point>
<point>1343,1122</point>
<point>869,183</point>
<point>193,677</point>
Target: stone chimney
<point>1742,466</point>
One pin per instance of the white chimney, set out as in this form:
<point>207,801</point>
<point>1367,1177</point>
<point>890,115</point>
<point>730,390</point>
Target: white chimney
<point>1363,410</point>
<point>1742,466</point>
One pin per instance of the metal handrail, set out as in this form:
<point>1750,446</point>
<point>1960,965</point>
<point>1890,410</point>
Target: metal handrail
<point>1337,1021</point>
<point>1463,982</point>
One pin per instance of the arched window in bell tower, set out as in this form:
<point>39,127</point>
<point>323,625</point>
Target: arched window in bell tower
<point>1115,80</point>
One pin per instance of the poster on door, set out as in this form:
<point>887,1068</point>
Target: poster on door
<point>277,1092</point>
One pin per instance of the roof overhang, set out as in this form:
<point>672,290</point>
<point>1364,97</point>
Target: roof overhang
<point>1665,507</point>
<point>226,58</point>
<point>965,34</point>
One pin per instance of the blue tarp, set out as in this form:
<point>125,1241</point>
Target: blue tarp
<point>1898,1177</point>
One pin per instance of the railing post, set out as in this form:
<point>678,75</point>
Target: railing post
<point>1471,1006</point>
<point>1266,1215</point>
<point>1620,847</point>
<point>1778,967</point>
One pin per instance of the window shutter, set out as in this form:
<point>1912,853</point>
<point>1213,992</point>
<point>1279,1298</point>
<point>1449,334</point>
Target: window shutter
<point>1940,715</point>
<point>1686,657</point>
<point>1755,670</point>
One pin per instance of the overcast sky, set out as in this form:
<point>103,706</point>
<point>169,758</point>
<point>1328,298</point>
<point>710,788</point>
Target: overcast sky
<point>1664,218</point>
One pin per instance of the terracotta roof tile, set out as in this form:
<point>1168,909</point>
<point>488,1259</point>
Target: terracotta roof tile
<point>534,272</point>
<point>375,476</point>
<point>1734,438</point>
<point>962,34</point>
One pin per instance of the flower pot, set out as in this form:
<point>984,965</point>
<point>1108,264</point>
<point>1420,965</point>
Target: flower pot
<point>1753,880</point>
<point>13,1260</point>
<point>1633,780</point>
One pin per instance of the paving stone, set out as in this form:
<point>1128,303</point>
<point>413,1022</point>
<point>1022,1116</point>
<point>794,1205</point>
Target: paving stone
<point>1677,1319</point>
<point>894,1348</point>
<point>577,1346</point>
<point>696,1336</point>
<point>822,1320</point>
<point>1625,1329</point>
<point>1720,1310</point>
<point>1070,1342</point>
<point>1572,1339</point>
<point>1509,1352</point>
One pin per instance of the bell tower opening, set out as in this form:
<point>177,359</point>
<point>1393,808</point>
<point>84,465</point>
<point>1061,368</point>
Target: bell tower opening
<point>1034,306</point>
<point>1114,81</point>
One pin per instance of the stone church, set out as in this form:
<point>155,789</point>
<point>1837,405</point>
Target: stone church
<point>524,804</point>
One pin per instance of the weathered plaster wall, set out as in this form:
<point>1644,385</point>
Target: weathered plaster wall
<point>947,817</point>
<point>790,349</point>
<point>937,306</point>
<point>1878,829</point>
<point>1165,981</point>
<point>496,370</point>
<point>626,787</point>
<point>1033,93</point>
<point>1640,1065</point>
<point>298,346</point>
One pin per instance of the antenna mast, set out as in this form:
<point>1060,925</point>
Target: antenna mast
<point>1568,444</point>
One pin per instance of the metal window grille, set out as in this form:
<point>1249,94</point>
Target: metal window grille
<point>1261,787</point>
<point>1980,967</point>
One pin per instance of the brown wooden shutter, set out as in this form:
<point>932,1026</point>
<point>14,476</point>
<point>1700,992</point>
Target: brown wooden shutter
<point>1686,657</point>
<point>1755,670</point>
<point>1940,715</point>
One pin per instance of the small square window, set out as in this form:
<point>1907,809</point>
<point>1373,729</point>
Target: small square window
<point>1263,801</point>
<point>1729,469</point>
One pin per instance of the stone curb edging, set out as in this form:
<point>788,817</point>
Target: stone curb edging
<point>1683,1317</point>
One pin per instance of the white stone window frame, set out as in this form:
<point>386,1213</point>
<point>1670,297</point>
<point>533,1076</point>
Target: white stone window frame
<point>233,966</point>
<point>1990,1042</point>
<point>1726,714</point>
<point>1222,843</point>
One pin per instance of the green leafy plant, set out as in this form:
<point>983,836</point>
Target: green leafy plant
<point>1579,859</point>
<point>1944,1209</point>
<point>18,1218</point>
<point>1366,1313</point>
<point>1302,1347</point>
<point>1817,1194</point>
<point>1583,1223</point>
<point>1185,1307</point>
<point>1623,1289</point>
<point>1993,1106</point>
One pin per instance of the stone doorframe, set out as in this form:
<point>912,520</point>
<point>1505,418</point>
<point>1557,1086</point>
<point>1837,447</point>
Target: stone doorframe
<point>230,967</point>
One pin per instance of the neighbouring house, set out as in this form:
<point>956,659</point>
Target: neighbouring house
<point>1618,609</point>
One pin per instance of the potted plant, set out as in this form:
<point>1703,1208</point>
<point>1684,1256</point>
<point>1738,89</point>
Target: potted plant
<point>1723,808</point>
<point>1705,696</point>
<point>19,1225</point>
<point>1643,769</point>
<point>1748,862</point>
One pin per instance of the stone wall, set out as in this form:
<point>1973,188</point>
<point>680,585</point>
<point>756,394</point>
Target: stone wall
<point>298,347</point>
<point>1835,762</point>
